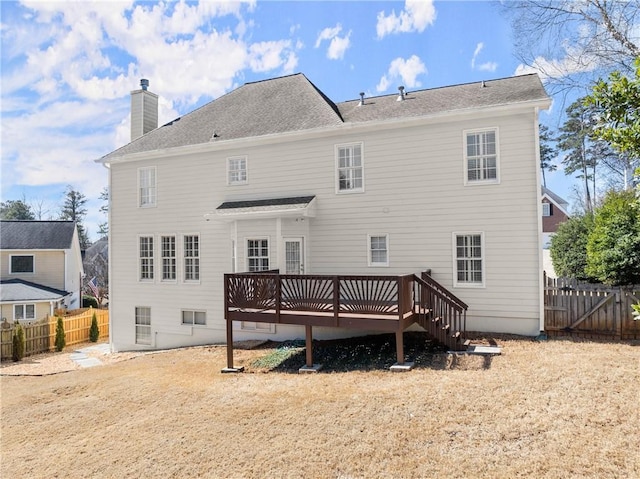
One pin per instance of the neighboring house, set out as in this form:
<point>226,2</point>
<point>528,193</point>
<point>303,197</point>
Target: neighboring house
<point>96,264</point>
<point>276,175</point>
<point>554,211</point>
<point>41,268</point>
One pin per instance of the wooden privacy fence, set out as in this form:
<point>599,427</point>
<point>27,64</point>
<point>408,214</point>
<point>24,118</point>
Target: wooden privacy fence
<point>590,310</point>
<point>40,337</point>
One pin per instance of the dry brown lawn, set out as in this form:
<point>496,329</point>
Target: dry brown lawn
<point>556,409</point>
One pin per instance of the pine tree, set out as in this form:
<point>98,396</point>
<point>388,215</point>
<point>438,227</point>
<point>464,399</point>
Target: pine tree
<point>94,332</point>
<point>60,337</point>
<point>73,210</point>
<point>18,343</point>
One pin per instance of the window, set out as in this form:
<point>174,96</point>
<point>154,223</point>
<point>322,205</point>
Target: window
<point>481,157</point>
<point>469,260</point>
<point>22,264</point>
<point>147,187</point>
<point>146,257</point>
<point>378,250</point>
<point>194,317</point>
<point>237,170</point>
<point>168,244</point>
<point>24,312</point>
<point>257,255</point>
<point>143,325</point>
<point>350,168</point>
<point>192,258</point>
<point>546,209</point>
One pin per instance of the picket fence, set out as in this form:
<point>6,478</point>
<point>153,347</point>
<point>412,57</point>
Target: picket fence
<point>40,336</point>
<point>592,311</point>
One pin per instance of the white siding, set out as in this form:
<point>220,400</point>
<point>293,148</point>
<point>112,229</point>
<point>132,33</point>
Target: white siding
<point>415,193</point>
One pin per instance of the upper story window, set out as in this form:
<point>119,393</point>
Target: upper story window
<point>168,244</point>
<point>546,209</point>
<point>146,257</point>
<point>237,170</point>
<point>379,250</point>
<point>22,264</point>
<point>257,255</point>
<point>481,156</point>
<point>147,187</point>
<point>350,168</point>
<point>469,260</point>
<point>191,258</point>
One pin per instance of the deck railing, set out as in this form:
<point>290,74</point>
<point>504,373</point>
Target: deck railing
<point>405,298</point>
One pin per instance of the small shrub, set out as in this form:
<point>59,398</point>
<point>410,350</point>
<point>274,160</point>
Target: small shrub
<point>18,343</point>
<point>89,301</point>
<point>60,339</point>
<point>94,332</point>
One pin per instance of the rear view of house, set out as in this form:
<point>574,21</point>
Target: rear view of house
<point>275,175</point>
<point>41,268</point>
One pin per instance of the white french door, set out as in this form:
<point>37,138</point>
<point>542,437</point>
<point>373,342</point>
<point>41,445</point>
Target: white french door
<point>294,256</point>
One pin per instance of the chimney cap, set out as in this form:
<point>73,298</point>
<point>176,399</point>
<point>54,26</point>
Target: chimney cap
<point>144,83</point>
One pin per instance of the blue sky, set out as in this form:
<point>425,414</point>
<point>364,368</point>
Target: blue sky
<point>68,69</point>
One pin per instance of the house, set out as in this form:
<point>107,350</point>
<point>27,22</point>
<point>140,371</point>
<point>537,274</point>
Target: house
<point>275,175</point>
<point>41,268</point>
<point>555,210</point>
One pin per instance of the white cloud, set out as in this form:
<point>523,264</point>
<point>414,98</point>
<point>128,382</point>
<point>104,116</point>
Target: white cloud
<point>337,45</point>
<point>415,17</point>
<point>556,68</point>
<point>405,71</point>
<point>487,66</point>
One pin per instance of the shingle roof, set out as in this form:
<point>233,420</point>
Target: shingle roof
<point>20,290</point>
<point>293,103</point>
<point>36,234</point>
<point>295,200</point>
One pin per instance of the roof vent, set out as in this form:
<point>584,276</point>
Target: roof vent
<point>361,99</point>
<point>144,83</point>
<point>484,85</point>
<point>215,136</point>
<point>401,93</point>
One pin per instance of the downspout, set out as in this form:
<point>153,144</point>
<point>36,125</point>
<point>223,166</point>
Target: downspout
<point>536,129</point>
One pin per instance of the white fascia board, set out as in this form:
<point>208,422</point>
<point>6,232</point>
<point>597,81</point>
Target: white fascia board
<point>367,126</point>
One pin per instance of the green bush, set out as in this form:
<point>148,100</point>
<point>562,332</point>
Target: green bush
<point>18,342</point>
<point>94,332</point>
<point>60,339</point>
<point>89,302</point>
<point>569,248</point>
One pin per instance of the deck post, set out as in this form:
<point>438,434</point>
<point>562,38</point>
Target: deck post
<point>229,368</point>
<point>400,347</point>
<point>309,367</point>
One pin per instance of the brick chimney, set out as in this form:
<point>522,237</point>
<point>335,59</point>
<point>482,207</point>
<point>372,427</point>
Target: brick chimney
<point>144,110</point>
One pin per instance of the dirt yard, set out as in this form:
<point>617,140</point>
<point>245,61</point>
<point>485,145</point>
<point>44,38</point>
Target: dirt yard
<point>555,409</point>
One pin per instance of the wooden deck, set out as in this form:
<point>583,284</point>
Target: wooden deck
<point>372,303</point>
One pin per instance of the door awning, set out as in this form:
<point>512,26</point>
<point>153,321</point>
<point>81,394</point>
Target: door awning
<point>266,208</point>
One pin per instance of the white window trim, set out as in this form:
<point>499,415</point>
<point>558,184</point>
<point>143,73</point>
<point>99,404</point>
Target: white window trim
<point>183,258</point>
<point>464,157</point>
<point>337,168</point>
<point>246,170</point>
<point>135,326</point>
<point>194,324</point>
<point>21,272</point>
<point>154,257</point>
<point>246,250</point>
<point>155,187</point>
<point>546,209</point>
<point>162,258</point>
<point>370,261</point>
<point>461,284</point>
<point>24,309</point>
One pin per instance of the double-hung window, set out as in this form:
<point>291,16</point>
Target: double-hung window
<point>378,250</point>
<point>350,168</point>
<point>143,325</point>
<point>481,156</point>
<point>22,264</point>
<point>546,209</point>
<point>469,259</point>
<point>24,312</point>
<point>257,255</point>
<point>146,258</point>
<point>237,170</point>
<point>168,246</point>
<point>191,258</point>
<point>147,187</point>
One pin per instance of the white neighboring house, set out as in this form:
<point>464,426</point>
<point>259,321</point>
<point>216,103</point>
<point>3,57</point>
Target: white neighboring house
<point>41,268</point>
<point>276,175</point>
